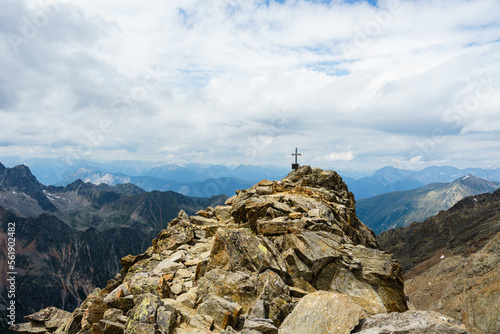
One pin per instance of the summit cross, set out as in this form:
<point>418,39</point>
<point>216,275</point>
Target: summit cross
<point>295,166</point>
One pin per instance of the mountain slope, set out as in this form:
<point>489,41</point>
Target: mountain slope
<point>83,205</point>
<point>387,179</point>
<point>287,257</point>
<point>57,265</point>
<point>452,261</point>
<point>391,210</point>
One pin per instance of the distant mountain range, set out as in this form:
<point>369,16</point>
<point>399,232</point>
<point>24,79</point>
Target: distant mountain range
<point>58,171</point>
<point>402,208</point>
<point>390,179</point>
<point>206,188</point>
<point>208,180</point>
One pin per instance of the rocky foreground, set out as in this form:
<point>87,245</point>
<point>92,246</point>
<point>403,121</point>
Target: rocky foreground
<point>288,256</point>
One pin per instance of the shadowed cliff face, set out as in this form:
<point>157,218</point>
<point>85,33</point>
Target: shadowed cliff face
<point>452,261</point>
<point>245,265</point>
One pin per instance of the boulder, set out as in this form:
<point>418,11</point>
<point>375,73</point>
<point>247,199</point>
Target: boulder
<point>240,249</point>
<point>275,295</point>
<point>95,310</point>
<point>174,236</point>
<point>43,321</point>
<point>240,286</point>
<point>202,321</point>
<point>168,266</point>
<point>112,314</point>
<point>143,313</point>
<point>323,312</point>
<point>224,312</point>
<point>223,213</point>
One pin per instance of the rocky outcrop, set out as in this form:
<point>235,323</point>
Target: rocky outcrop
<point>263,263</point>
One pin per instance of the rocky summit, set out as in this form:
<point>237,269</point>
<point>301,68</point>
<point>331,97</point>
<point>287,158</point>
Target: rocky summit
<point>285,256</point>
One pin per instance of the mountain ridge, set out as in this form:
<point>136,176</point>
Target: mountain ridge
<point>402,208</point>
<point>83,205</point>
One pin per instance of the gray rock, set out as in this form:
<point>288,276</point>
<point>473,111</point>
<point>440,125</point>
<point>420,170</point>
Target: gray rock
<point>166,319</point>
<point>121,291</point>
<point>189,298</point>
<point>276,293</point>
<point>223,213</point>
<point>410,322</point>
<point>224,312</point>
<point>179,256</point>
<point>260,310</point>
<point>183,274</point>
<point>178,288</point>
<point>28,327</point>
<point>167,266</point>
<point>202,221</point>
<point>112,327</point>
<point>260,325</point>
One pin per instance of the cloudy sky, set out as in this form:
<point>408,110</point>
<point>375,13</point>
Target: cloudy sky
<point>352,84</point>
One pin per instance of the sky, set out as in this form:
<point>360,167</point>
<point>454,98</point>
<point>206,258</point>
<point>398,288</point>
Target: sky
<point>353,84</point>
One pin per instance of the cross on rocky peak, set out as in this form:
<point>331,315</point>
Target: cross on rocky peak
<point>295,166</point>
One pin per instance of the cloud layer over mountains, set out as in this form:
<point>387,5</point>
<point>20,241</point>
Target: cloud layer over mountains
<point>351,83</point>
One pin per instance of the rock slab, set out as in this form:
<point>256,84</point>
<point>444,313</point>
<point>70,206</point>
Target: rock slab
<point>323,312</point>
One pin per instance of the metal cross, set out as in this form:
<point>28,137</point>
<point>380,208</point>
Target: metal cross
<point>295,166</point>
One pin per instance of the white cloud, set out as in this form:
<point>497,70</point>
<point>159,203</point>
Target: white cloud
<point>337,156</point>
<point>240,81</point>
